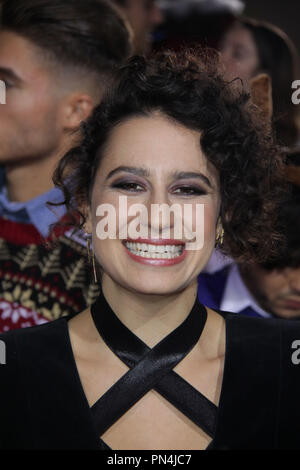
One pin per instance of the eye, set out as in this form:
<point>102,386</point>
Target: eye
<point>239,54</point>
<point>131,187</point>
<point>189,191</point>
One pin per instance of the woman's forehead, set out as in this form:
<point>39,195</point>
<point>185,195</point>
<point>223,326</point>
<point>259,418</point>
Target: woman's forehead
<point>155,143</point>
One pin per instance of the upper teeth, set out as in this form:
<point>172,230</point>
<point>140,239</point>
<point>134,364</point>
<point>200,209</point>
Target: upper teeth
<point>144,249</point>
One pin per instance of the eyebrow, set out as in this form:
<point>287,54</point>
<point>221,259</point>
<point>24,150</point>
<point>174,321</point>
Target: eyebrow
<point>185,175</point>
<point>143,172</point>
<point>9,73</point>
<point>129,169</point>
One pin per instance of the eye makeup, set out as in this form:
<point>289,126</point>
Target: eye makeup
<point>180,186</point>
<point>189,190</point>
<point>128,185</point>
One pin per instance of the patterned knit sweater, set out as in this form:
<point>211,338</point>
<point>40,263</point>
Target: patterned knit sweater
<point>39,281</point>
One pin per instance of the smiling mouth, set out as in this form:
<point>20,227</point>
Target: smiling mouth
<point>149,251</point>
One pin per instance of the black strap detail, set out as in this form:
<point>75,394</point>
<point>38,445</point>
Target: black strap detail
<point>151,369</point>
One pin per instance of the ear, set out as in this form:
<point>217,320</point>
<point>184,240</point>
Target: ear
<point>261,95</point>
<point>77,108</point>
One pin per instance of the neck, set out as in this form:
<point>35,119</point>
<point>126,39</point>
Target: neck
<point>29,178</point>
<point>27,181</point>
<point>150,317</point>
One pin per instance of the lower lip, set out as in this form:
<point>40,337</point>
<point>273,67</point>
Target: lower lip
<point>156,262</point>
<point>292,305</point>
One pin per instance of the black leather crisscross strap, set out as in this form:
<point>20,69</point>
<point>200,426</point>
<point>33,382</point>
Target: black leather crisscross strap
<point>151,369</point>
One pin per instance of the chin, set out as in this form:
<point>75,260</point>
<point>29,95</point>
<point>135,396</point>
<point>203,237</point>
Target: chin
<point>154,287</point>
<point>288,314</point>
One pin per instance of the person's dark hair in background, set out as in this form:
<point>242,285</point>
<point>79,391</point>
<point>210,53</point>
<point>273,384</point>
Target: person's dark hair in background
<point>191,23</point>
<point>290,222</point>
<point>251,47</point>
<point>56,59</point>
<point>143,16</point>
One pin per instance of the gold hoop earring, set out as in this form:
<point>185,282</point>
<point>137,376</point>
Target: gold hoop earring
<point>91,258</point>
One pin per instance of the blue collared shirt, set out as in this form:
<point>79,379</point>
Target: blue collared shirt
<point>220,286</point>
<point>36,211</point>
<point>237,297</point>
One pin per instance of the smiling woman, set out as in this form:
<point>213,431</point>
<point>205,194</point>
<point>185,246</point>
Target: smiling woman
<point>182,121</point>
<point>139,161</point>
<point>148,366</point>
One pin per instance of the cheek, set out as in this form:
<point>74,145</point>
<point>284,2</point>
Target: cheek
<point>18,107</point>
<point>103,217</point>
<point>273,285</point>
<point>202,226</point>
<point>248,67</point>
<point>108,205</point>
<point>33,114</point>
<point>251,66</point>
<point>115,210</point>
<point>210,223</point>
<point>28,126</point>
<point>37,97</point>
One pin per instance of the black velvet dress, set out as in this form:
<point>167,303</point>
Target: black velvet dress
<point>43,405</point>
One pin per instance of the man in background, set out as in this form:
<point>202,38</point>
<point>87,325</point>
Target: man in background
<point>56,59</point>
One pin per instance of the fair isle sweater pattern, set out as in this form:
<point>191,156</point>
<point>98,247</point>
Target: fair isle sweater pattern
<point>41,281</point>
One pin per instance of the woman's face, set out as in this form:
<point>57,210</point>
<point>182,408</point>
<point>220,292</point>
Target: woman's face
<point>152,161</point>
<point>240,54</point>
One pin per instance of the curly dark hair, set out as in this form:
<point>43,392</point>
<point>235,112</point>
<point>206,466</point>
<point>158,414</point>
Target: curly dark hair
<point>188,87</point>
<point>289,255</point>
<point>289,220</point>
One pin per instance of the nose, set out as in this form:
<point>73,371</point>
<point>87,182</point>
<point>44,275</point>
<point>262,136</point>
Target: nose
<point>160,220</point>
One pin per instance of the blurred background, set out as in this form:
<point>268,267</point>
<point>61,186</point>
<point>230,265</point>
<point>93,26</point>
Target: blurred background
<point>253,37</point>
<point>283,13</point>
